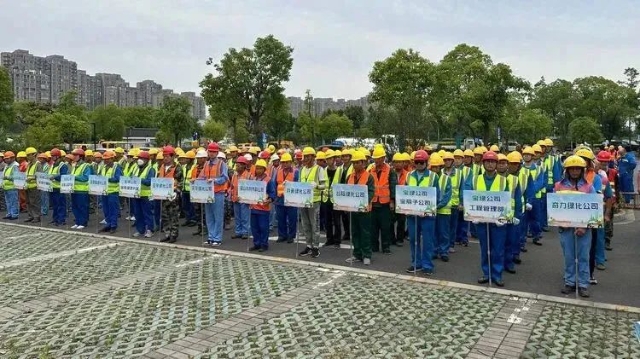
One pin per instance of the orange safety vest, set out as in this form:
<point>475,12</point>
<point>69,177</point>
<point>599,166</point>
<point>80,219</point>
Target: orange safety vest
<point>212,172</point>
<point>590,175</point>
<point>280,178</point>
<point>362,180</point>
<point>383,192</point>
<point>264,206</point>
<point>195,171</point>
<point>234,184</point>
<point>170,174</point>
<point>402,177</point>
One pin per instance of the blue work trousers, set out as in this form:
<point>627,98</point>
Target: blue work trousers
<point>59,207</point>
<point>534,218</point>
<point>241,214</point>
<point>422,232</point>
<point>188,208</point>
<point>12,202</point>
<point>214,213</point>
<point>156,208</point>
<point>462,230</point>
<point>287,221</point>
<point>144,216</point>
<point>573,246</point>
<point>111,209</point>
<point>260,228</point>
<point>600,252</point>
<point>443,224</point>
<point>453,227</point>
<point>492,241</point>
<point>512,245</point>
<point>80,208</point>
<point>523,228</point>
<point>44,200</point>
<point>543,211</point>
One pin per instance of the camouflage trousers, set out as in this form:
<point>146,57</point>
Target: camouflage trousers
<point>170,217</point>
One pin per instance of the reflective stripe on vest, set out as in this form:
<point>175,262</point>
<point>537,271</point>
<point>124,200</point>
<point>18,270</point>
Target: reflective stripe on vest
<point>112,187</point>
<point>534,176</point>
<point>145,191</point>
<point>212,172</point>
<point>549,164</point>
<point>513,183</point>
<point>442,184</point>
<point>234,184</point>
<point>31,173</point>
<point>413,181</point>
<point>281,178</point>
<point>498,184</point>
<point>8,171</point>
<point>383,192</point>
<point>80,186</point>
<point>312,174</point>
<point>455,187</point>
<point>54,170</point>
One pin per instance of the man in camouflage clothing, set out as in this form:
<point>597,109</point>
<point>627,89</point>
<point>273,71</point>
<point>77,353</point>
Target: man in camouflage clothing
<point>201,158</point>
<point>171,207</point>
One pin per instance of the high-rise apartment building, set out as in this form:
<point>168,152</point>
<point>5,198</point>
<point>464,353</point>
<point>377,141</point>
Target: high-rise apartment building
<point>321,105</point>
<point>46,79</point>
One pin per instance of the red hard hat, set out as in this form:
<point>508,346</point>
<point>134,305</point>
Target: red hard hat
<point>604,156</point>
<point>490,156</point>
<point>213,147</point>
<point>143,154</point>
<point>167,150</point>
<point>264,155</point>
<point>78,151</point>
<point>243,160</point>
<point>56,152</point>
<point>421,155</point>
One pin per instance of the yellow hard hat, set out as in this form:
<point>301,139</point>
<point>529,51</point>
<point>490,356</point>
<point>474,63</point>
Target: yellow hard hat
<point>261,163</point>
<point>406,157</point>
<point>495,148</point>
<point>153,151</point>
<point>378,145</point>
<point>308,151</point>
<point>514,157</point>
<point>365,151</point>
<point>119,150</point>
<point>182,155</point>
<point>575,161</point>
<point>484,149</point>
<point>286,157</point>
<point>447,156</point>
<point>397,157</point>
<point>21,154</point>
<point>541,143</point>
<point>459,153</point>
<point>254,150</point>
<point>347,152</point>
<point>48,154</point>
<point>379,152</point>
<point>478,151</point>
<point>537,148</point>
<point>548,142</point>
<point>320,156</point>
<point>31,151</point>
<point>468,153</point>
<point>233,148</point>
<point>337,153</point>
<point>62,153</point>
<point>271,149</point>
<point>160,156</point>
<point>412,156</point>
<point>330,153</point>
<point>586,153</point>
<point>528,151</point>
<point>502,157</point>
<point>436,160</point>
<point>179,151</point>
<point>88,153</point>
<point>441,153</point>
<point>191,155</point>
<point>358,156</point>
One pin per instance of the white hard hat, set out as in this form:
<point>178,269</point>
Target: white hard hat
<point>275,157</point>
<point>202,154</point>
<point>222,155</point>
<point>248,157</point>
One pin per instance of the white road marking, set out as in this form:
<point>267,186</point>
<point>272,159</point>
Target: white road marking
<point>19,262</point>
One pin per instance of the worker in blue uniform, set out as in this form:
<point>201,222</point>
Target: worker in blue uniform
<point>626,166</point>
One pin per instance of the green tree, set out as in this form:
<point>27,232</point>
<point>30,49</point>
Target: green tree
<point>58,128</point>
<point>140,117</point>
<point>214,130</point>
<point>531,126</point>
<point>605,101</point>
<point>174,119</point>
<point>308,127</point>
<point>278,122</point>
<point>69,106</point>
<point>558,101</point>
<point>109,122</point>
<point>6,99</point>
<point>585,130</point>
<point>248,81</point>
<point>334,126</point>
<point>402,83</point>
<point>356,115</point>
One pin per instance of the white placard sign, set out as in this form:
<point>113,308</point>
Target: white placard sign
<point>19,180</point>
<point>162,189</point>
<point>98,185</point>
<point>416,201</point>
<point>130,187</point>
<point>43,181</point>
<point>202,192</point>
<point>66,183</point>
<point>298,194</point>
<point>350,197</point>
<point>252,192</point>
<point>487,206</point>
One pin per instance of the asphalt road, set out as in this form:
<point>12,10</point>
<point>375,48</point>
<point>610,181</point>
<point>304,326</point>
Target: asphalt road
<point>540,271</point>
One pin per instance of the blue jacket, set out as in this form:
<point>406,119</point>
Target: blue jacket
<point>444,197</point>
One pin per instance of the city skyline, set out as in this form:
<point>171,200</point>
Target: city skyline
<point>44,79</point>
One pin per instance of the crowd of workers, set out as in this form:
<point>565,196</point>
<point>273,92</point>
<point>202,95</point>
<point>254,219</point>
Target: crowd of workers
<point>529,174</point>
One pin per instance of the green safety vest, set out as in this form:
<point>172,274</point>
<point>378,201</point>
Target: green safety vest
<point>498,184</point>
<point>337,176</point>
<point>112,187</point>
<point>80,186</point>
<point>54,170</point>
<point>456,179</point>
<point>412,181</point>
<point>534,175</point>
<point>442,183</point>
<point>145,191</point>
<point>31,173</point>
<point>311,177</point>
<point>8,181</point>
<point>549,163</point>
<point>513,183</point>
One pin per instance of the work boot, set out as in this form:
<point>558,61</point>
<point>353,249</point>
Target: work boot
<point>583,292</point>
<point>568,289</point>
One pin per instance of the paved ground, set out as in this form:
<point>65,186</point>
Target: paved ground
<point>540,272</point>
<point>71,295</point>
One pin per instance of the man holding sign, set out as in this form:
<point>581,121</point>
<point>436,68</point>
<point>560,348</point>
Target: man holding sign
<point>260,211</point>
<point>317,177</point>
<point>361,221</point>
<point>58,169</point>
<point>80,195</point>
<point>576,242</point>
<point>10,191</point>
<point>171,207</point>
<point>33,195</point>
<point>111,203</point>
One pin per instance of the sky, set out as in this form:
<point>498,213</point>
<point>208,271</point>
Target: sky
<point>335,42</point>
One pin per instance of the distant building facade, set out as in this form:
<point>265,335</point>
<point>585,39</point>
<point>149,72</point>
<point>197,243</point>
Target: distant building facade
<point>46,79</point>
<point>321,105</point>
